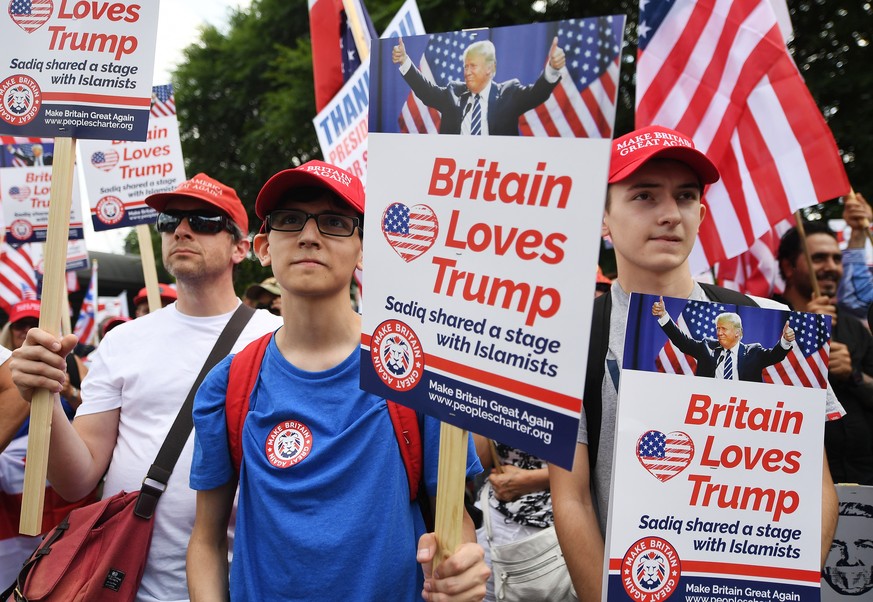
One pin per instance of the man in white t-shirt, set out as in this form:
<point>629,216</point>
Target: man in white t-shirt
<point>142,372</point>
<point>653,213</point>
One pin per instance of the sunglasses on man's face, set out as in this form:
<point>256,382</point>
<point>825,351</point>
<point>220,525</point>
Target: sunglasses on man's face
<point>199,222</point>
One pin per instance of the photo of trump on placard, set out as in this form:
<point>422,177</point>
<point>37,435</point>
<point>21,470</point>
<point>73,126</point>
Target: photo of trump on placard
<point>726,356</point>
<point>727,342</point>
<point>544,79</point>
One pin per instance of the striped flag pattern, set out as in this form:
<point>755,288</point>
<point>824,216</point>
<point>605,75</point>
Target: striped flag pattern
<point>30,15</point>
<point>756,272</point>
<point>18,276</point>
<point>85,325</point>
<point>719,71</point>
<point>665,455</point>
<point>23,144</point>
<point>105,160</point>
<point>163,101</point>
<point>409,230</point>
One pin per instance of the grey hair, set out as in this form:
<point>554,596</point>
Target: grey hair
<point>732,319</point>
<point>483,48</point>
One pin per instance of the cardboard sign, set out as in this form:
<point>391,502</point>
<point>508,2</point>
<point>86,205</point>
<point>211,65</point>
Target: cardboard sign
<point>716,489</point>
<point>342,124</point>
<point>119,175</point>
<point>24,192</point>
<point>848,570</point>
<point>77,68</point>
<point>479,310</point>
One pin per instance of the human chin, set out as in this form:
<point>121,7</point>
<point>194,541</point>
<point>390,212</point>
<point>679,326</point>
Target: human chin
<point>850,580</point>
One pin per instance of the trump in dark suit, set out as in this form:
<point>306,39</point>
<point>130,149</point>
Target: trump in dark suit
<point>478,105</point>
<point>725,357</point>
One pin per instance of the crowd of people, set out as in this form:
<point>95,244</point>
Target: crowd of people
<point>319,501</point>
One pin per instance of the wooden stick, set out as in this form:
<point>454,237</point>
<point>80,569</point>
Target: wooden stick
<point>53,289</point>
<point>496,466</point>
<point>450,491</point>
<point>149,270</point>
<point>802,232</point>
<point>357,32</point>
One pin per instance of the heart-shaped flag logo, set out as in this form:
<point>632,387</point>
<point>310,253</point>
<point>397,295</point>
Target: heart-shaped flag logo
<point>665,455</point>
<point>30,15</point>
<point>410,230</point>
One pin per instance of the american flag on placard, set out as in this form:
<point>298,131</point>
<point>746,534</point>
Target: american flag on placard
<point>665,455</point>
<point>583,103</point>
<point>24,147</point>
<point>104,160</point>
<point>163,101</point>
<point>19,193</point>
<point>720,73</point>
<point>410,231</point>
<point>85,329</point>
<point>18,277</point>
<point>30,15</point>
<point>807,363</point>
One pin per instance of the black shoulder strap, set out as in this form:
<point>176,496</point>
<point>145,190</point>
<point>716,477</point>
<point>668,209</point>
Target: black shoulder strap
<point>162,468</point>
<point>592,400</point>
<point>726,295</point>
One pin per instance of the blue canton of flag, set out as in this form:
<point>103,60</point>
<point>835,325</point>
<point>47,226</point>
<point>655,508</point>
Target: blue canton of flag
<point>20,7</point>
<point>652,445</point>
<point>397,219</point>
<point>652,14</point>
<point>444,54</point>
<point>591,46</point>
<point>812,332</point>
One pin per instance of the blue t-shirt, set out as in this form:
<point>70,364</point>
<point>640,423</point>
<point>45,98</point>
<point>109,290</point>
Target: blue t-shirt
<point>324,510</point>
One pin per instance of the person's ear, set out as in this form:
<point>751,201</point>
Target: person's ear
<point>262,248</point>
<point>702,211</point>
<point>240,250</point>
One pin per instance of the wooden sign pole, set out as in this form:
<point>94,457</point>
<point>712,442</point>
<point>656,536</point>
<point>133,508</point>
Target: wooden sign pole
<point>149,270</point>
<point>450,491</point>
<point>53,290</point>
<point>798,218</point>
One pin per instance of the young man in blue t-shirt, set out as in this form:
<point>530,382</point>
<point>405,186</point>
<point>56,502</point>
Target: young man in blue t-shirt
<point>324,508</point>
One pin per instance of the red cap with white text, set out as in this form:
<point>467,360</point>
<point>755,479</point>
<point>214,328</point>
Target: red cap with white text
<point>633,150</point>
<point>203,188</point>
<point>317,174</point>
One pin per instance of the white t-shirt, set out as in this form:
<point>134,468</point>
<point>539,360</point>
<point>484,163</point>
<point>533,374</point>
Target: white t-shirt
<point>146,368</point>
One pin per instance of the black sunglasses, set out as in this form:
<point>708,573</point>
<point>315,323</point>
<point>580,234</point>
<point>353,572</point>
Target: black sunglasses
<point>203,224</point>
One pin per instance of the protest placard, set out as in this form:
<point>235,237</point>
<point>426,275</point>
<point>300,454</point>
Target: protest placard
<point>77,69</point>
<point>487,248</point>
<point>24,193</point>
<point>717,474</point>
<point>119,174</point>
<point>341,125</point>
<point>848,570</point>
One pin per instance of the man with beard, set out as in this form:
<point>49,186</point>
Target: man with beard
<point>848,442</point>
<point>143,370</point>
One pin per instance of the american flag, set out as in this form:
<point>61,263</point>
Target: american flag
<point>720,73</point>
<point>18,276</point>
<point>335,54</point>
<point>24,146</point>
<point>698,320</point>
<point>104,160</point>
<point>807,363</point>
<point>19,193</point>
<point>756,272</point>
<point>410,231</point>
<point>665,455</point>
<point>30,15</point>
<point>163,101</point>
<point>85,329</point>
<point>583,103</point>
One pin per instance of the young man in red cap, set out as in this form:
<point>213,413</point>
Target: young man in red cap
<point>653,213</point>
<point>142,371</point>
<point>141,301</point>
<point>324,502</point>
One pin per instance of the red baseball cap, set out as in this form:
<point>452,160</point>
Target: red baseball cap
<point>203,188</point>
<point>113,322</point>
<point>168,294</point>
<point>24,309</point>
<point>633,150</point>
<point>317,174</point>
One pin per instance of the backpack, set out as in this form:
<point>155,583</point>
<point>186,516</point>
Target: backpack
<point>592,400</point>
<point>244,369</point>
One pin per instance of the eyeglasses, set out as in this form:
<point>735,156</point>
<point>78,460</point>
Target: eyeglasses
<point>294,220</point>
<point>203,224</point>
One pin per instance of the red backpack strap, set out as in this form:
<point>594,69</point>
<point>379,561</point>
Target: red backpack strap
<point>244,369</point>
<point>408,433</point>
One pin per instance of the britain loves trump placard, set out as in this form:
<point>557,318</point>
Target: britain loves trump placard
<point>717,475</point>
<point>481,248</point>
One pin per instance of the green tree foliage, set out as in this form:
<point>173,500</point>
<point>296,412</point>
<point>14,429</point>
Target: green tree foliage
<point>246,102</point>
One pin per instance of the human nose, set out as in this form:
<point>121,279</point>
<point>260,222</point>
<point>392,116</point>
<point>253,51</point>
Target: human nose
<point>669,211</point>
<point>310,230</point>
<point>183,229</point>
